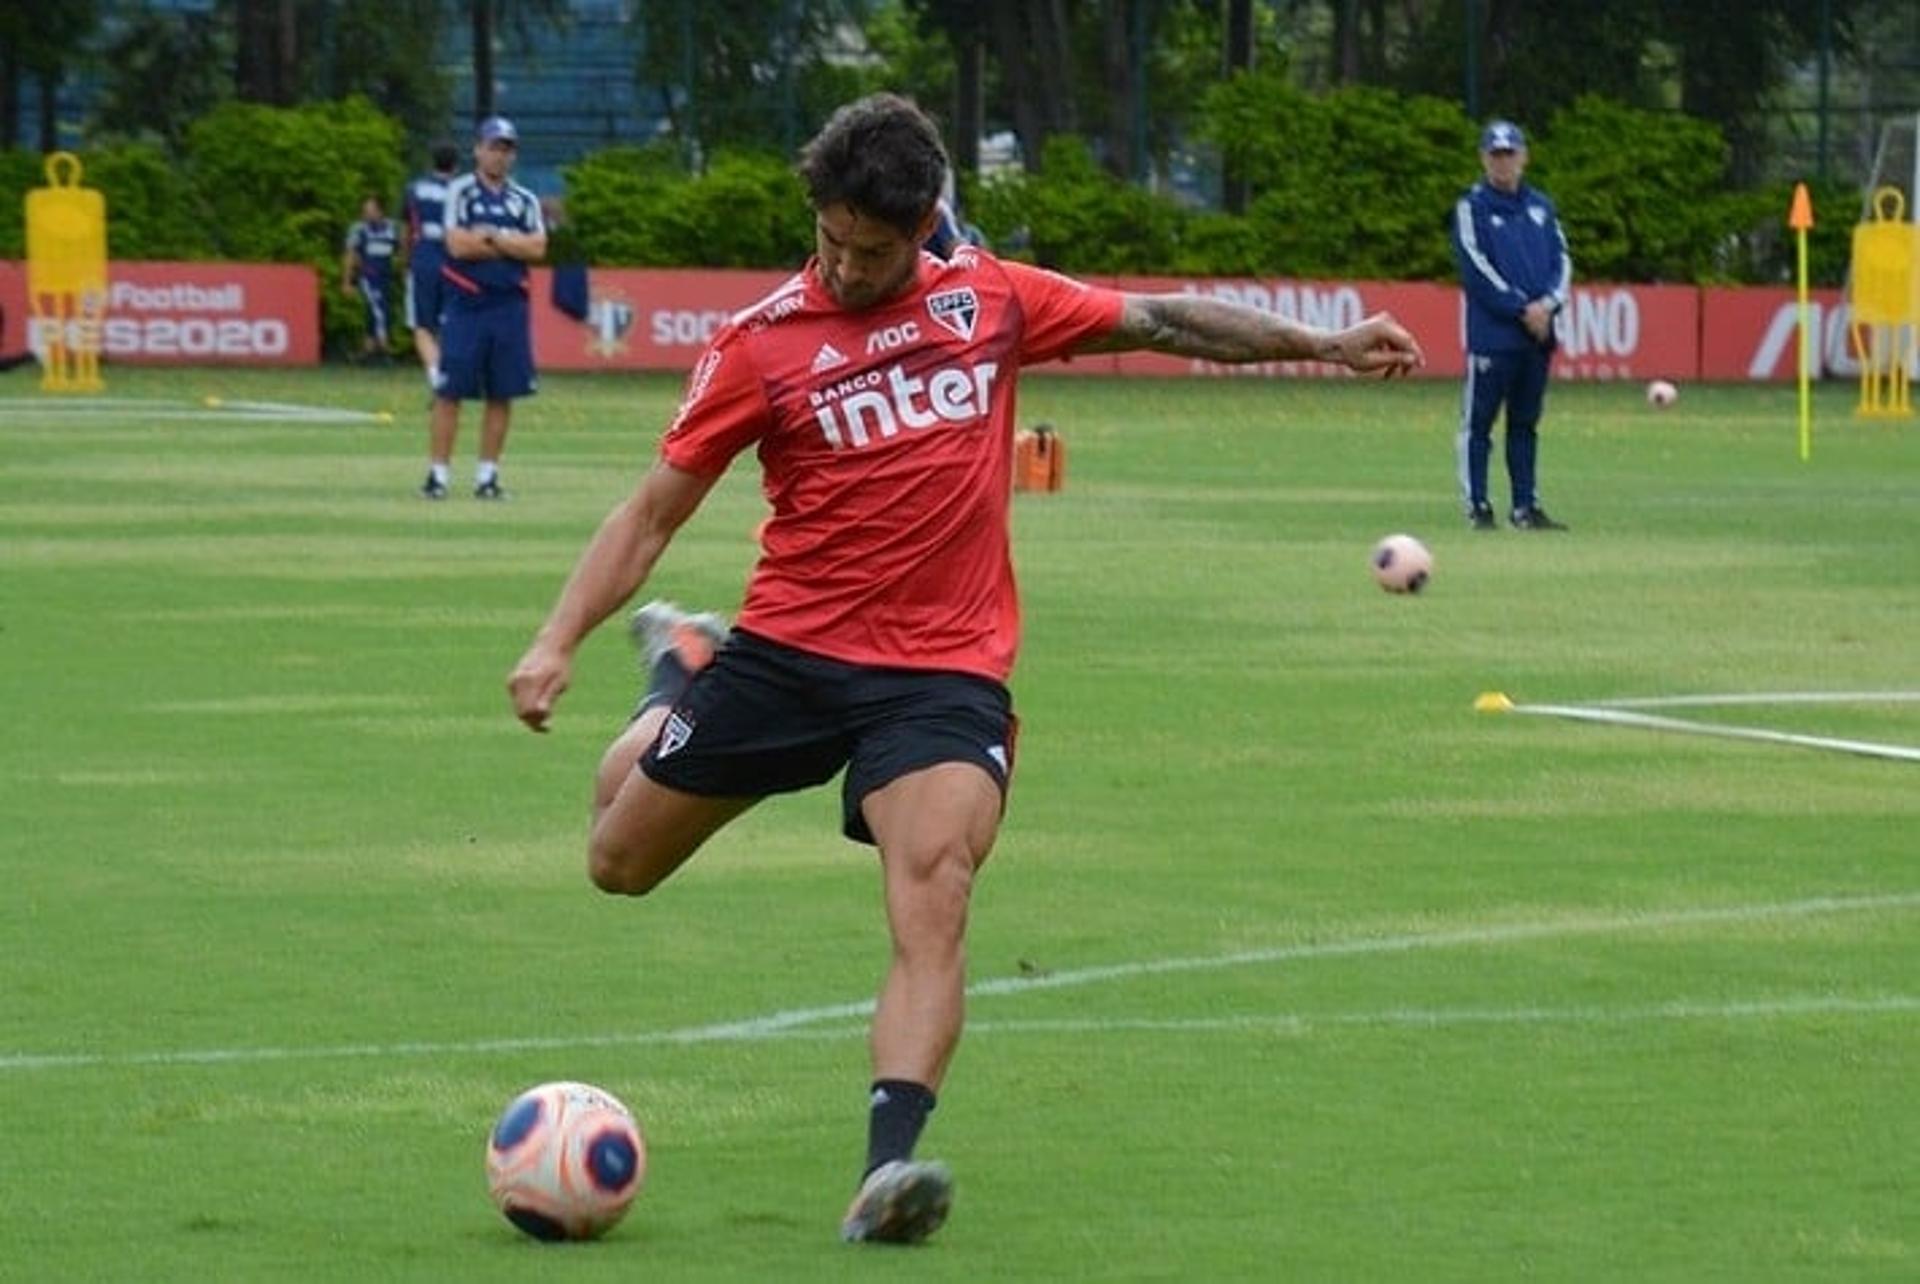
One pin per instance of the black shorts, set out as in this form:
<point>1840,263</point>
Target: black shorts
<point>768,719</point>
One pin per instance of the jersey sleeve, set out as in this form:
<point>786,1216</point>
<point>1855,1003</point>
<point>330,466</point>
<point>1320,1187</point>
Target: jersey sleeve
<point>459,211</point>
<point>723,411</point>
<point>534,222</point>
<point>1061,313</point>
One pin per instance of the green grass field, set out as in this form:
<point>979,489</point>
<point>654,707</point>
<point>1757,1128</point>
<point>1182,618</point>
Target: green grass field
<point>1290,965</point>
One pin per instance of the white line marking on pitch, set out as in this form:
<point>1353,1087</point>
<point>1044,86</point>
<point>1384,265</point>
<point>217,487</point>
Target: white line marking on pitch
<point>15,408</point>
<point>794,1021</point>
<point>1618,713</point>
<point>1758,697</point>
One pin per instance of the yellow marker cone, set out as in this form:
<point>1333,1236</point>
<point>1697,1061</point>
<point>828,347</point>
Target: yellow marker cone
<point>1492,702</point>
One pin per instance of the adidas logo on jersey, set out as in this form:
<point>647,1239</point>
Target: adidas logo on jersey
<point>828,358</point>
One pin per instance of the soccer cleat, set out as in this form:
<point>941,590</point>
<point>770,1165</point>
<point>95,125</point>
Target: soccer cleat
<point>1534,518</point>
<point>901,1202</point>
<point>1480,517</point>
<point>433,488</point>
<point>660,626</point>
<point>489,489</point>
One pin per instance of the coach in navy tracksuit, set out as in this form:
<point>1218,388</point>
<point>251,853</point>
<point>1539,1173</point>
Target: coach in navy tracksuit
<point>1514,264</point>
<point>494,230</point>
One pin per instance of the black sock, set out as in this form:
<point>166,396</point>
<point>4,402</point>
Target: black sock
<point>668,681</point>
<point>899,1111</point>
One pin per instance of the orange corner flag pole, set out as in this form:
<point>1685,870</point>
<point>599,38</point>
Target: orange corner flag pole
<point>1800,219</point>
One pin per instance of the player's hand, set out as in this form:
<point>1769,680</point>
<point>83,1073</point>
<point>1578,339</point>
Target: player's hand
<point>1378,345</point>
<point>1538,318</point>
<point>536,684</point>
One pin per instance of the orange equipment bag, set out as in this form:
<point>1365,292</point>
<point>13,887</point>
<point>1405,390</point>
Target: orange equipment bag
<point>1039,459</point>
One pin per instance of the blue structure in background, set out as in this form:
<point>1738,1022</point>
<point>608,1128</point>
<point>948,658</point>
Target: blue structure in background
<point>570,90</point>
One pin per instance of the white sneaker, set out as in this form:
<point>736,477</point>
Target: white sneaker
<point>901,1202</point>
<point>659,627</point>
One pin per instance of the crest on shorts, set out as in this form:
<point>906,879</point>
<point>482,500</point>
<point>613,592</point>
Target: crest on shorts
<point>956,310</point>
<point>675,734</point>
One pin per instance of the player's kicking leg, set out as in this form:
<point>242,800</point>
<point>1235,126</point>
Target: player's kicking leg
<point>642,831</point>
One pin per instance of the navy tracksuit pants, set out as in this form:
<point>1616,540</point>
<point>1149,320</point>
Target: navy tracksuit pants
<point>1519,380</point>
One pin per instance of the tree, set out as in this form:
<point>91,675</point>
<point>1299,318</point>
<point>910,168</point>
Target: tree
<point>41,38</point>
<point>756,74</point>
<point>266,65</point>
<point>163,72</point>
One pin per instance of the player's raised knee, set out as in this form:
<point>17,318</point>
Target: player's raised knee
<point>617,872</point>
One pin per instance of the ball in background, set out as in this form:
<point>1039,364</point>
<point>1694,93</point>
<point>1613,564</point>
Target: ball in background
<point>1402,564</point>
<point>565,1161</point>
<point>1661,394</point>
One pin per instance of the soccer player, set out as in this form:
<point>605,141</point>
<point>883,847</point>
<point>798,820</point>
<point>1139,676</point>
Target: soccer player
<point>424,225</point>
<point>367,269</point>
<point>494,230</point>
<point>877,388</point>
<point>1515,267</point>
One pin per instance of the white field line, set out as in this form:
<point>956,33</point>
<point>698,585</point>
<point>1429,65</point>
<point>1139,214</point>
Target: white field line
<point>21,408</point>
<point>795,1022</point>
<point>1757,697</point>
<point>1625,718</point>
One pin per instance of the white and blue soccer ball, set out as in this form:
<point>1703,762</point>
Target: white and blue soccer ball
<point>1402,564</point>
<point>1661,394</point>
<point>565,1161</point>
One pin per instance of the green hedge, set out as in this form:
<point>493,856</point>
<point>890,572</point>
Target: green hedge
<point>1352,184</point>
<point>637,207</point>
<point>282,185</point>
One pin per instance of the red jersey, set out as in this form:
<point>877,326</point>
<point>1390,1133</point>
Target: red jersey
<point>885,439</point>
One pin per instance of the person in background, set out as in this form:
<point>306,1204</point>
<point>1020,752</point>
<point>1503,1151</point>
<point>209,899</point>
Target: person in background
<point>881,620</point>
<point>494,231</point>
<point>366,269</point>
<point>1516,271</point>
<point>423,223</point>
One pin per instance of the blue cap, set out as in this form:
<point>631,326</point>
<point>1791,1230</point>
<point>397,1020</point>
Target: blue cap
<point>1502,136</point>
<point>498,127</point>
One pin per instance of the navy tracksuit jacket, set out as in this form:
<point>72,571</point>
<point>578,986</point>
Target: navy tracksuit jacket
<point>1510,251</point>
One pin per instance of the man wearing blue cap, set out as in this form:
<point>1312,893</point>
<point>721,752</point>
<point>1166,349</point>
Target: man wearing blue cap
<point>494,229</point>
<point>1515,268</point>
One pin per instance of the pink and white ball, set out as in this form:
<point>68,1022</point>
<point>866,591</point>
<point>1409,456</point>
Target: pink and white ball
<point>1661,394</point>
<point>565,1161</point>
<point>1402,564</point>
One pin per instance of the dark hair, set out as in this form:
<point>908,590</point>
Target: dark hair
<point>445,156</point>
<point>879,155</point>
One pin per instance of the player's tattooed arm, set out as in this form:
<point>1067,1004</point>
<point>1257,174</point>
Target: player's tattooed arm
<point>1188,325</point>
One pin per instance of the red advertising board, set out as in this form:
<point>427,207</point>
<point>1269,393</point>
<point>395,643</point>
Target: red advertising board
<point>13,308</point>
<point>659,319</point>
<point>1608,331</point>
<point>200,313</point>
<point>642,318</point>
<point>1755,334</point>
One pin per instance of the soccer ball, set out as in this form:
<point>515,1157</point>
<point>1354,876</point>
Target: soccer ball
<point>1402,564</point>
<point>565,1161</point>
<point>1661,394</point>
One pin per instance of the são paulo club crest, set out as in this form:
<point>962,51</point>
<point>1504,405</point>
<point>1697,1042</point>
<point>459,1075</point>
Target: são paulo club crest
<point>609,318</point>
<point>957,310</point>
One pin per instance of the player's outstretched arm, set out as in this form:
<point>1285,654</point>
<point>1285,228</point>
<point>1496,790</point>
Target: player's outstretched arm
<point>1215,330</point>
<point>615,564</point>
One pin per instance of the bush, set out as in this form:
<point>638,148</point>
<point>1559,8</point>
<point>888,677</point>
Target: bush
<point>282,185</point>
<point>1639,192</point>
<point>1075,217</point>
<point>637,207</point>
<point>1356,183</point>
